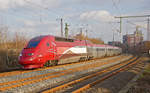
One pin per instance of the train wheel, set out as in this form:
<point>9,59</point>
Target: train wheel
<point>46,64</point>
<point>53,63</point>
<point>56,62</point>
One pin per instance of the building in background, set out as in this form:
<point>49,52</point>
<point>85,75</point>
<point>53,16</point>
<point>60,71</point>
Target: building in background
<point>132,40</point>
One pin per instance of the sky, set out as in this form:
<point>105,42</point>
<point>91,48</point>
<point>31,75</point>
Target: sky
<point>42,17</point>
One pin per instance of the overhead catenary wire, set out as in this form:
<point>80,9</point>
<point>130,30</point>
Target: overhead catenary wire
<point>116,6</point>
<point>15,13</point>
<point>44,8</point>
<point>139,16</point>
<point>47,9</point>
<point>37,14</point>
<point>118,9</point>
<point>135,24</point>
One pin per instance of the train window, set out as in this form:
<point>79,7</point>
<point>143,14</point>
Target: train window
<point>109,49</point>
<point>32,44</point>
<point>64,39</point>
<point>97,49</point>
<point>102,49</point>
<point>47,44</point>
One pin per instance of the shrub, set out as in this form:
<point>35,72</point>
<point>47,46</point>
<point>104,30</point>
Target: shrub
<point>10,49</point>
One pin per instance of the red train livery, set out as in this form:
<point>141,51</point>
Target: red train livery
<point>50,50</point>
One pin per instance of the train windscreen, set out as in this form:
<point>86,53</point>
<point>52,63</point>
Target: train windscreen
<point>32,44</point>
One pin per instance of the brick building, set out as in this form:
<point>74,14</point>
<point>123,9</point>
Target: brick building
<point>132,40</point>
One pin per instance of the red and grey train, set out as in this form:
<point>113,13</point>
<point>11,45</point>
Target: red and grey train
<point>50,50</point>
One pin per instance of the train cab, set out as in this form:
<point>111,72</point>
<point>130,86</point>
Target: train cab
<point>37,52</point>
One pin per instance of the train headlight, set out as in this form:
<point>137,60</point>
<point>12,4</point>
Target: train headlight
<point>40,55</point>
<point>20,54</point>
<point>31,59</point>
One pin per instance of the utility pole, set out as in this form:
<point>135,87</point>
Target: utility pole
<point>113,36</point>
<point>81,34</point>
<point>86,34</point>
<point>86,42</point>
<point>120,32</point>
<point>120,29</point>
<point>148,30</point>
<point>61,23</point>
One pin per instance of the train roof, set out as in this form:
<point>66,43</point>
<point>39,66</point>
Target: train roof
<point>63,39</point>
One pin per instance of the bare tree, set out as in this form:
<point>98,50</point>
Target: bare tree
<point>3,36</point>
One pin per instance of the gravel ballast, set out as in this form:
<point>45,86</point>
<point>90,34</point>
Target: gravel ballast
<point>50,82</point>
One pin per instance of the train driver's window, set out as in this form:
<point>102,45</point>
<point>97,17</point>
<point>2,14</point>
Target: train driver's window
<point>47,44</point>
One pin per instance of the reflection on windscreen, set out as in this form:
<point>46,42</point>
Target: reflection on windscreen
<point>32,44</point>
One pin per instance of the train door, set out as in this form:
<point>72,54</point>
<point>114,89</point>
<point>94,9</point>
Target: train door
<point>54,54</point>
<point>106,51</point>
<point>97,51</point>
<point>51,49</point>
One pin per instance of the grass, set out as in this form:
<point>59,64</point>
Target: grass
<point>143,83</point>
<point>145,77</point>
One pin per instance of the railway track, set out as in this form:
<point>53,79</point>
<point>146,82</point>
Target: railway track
<point>4,74</point>
<point>21,84</point>
<point>80,85</point>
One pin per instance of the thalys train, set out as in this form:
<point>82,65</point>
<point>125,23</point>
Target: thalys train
<point>51,50</point>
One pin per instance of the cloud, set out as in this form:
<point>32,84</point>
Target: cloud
<point>37,21</point>
<point>29,23</point>
<point>46,27</point>
<point>101,15</point>
<point>95,2</point>
<point>6,4</point>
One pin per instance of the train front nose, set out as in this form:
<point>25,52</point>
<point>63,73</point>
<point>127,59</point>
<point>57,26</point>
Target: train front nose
<point>26,58</point>
<point>29,62</point>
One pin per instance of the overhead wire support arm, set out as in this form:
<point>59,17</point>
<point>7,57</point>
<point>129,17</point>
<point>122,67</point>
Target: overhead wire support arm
<point>148,28</point>
<point>131,16</point>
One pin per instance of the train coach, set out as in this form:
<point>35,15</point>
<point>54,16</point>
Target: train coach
<point>50,50</point>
